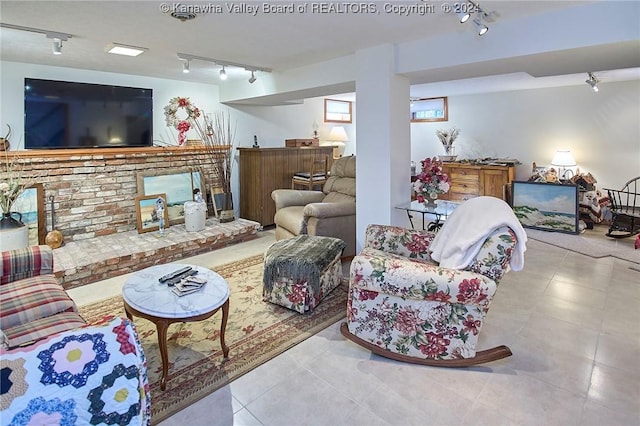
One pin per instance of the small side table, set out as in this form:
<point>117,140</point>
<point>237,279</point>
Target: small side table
<point>145,297</point>
<point>442,209</point>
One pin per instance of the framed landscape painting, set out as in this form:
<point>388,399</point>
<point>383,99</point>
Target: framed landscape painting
<point>177,184</point>
<point>546,206</point>
<point>147,218</point>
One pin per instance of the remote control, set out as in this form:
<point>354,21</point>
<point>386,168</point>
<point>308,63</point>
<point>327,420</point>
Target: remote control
<point>174,274</point>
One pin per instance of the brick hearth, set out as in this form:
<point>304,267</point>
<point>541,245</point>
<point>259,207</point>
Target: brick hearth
<point>86,261</point>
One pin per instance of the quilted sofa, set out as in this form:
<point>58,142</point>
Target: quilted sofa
<point>55,368</point>
<point>405,306</point>
<point>33,305</point>
<point>327,213</point>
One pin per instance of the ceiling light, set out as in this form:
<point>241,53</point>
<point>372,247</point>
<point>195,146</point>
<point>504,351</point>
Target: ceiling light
<point>224,65</point>
<point>592,81</point>
<point>480,26</point>
<point>57,46</point>
<point>463,16</point>
<point>122,49</point>
<point>185,67</point>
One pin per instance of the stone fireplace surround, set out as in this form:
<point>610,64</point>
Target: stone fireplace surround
<point>94,190</point>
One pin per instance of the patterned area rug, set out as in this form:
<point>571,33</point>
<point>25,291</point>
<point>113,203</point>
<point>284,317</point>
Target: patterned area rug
<point>256,332</point>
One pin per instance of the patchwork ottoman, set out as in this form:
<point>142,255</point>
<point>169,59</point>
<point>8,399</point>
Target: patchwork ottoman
<point>299,272</point>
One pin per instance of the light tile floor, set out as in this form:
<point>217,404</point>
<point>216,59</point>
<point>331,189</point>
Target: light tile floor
<point>572,323</point>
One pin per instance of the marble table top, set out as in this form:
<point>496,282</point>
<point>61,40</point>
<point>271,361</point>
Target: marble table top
<point>143,291</point>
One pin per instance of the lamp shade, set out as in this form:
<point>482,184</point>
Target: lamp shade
<point>338,134</point>
<point>563,158</point>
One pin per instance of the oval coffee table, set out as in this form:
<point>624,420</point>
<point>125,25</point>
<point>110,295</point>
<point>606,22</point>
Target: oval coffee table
<point>144,296</point>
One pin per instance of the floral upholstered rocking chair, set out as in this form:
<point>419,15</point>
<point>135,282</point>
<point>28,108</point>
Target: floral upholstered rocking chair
<point>404,305</point>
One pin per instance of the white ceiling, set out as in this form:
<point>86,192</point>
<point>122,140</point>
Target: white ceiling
<point>279,41</point>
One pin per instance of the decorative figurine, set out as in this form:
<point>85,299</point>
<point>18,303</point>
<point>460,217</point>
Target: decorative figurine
<point>197,196</point>
<point>255,142</point>
<point>160,214</point>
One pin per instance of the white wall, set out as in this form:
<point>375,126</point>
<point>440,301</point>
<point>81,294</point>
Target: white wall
<point>602,130</point>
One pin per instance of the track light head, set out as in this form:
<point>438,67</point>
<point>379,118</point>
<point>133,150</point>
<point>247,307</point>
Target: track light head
<point>253,78</point>
<point>592,81</point>
<point>223,74</point>
<point>463,16</point>
<point>480,26</point>
<point>186,67</point>
<point>57,46</point>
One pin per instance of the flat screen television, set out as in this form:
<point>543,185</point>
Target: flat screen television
<point>62,114</point>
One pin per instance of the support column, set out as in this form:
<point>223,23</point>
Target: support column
<point>383,172</point>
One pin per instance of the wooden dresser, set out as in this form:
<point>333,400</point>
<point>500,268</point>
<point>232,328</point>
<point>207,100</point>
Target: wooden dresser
<point>264,169</point>
<point>468,180</point>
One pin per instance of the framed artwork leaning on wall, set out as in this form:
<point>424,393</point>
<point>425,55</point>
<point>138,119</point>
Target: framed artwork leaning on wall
<point>546,206</point>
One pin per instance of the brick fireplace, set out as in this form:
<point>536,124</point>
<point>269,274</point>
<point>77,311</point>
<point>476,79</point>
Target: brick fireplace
<point>94,190</point>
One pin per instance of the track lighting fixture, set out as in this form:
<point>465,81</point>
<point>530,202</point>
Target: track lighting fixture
<point>185,67</point>
<point>57,37</point>
<point>224,64</point>
<point>592,81</point>
<point>480,26</point>
<point>463,16</point>
<point>57,46</point>
<point>467,9</point>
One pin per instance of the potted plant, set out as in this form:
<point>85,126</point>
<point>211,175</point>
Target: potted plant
<point>13,182</point>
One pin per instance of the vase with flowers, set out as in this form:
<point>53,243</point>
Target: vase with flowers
<point>431,181</point>
<point>13,182</point>
<point>447,138</point>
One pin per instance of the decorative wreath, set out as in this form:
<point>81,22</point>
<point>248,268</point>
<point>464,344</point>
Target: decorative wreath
<point>182,125</point>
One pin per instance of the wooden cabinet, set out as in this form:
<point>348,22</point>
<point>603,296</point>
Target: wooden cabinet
<point>468,180</point>
<point>264,169</point>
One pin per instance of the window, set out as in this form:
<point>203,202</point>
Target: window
<point>429,109</point>
<point>337,111</point>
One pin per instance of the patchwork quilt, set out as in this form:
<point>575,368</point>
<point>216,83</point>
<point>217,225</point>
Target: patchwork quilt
<point>88,376</point>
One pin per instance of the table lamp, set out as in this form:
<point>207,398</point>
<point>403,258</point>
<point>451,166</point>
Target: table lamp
<point>338,137</point>
<point>563,159</point>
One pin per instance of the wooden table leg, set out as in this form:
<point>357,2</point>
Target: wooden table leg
<point>162,325</point>
<point>223,327</point>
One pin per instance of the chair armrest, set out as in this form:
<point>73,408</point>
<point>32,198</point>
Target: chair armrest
<point>405,242</point>
<point>25,262</point>
<point>380,272</point>
<point>323,210</point>
<point>293,197</point>
<point>493,258</point>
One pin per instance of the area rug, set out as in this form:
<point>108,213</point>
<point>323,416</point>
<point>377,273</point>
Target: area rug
<point>256,332</point>
<point>592,243</point>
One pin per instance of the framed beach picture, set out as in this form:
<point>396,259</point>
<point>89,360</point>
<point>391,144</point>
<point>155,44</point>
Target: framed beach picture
<point>30,206</point>
<point>177,184</point>
<point>147,218</point>
<point>546,206</point>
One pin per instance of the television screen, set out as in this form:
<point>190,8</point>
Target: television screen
<point>61,114</point>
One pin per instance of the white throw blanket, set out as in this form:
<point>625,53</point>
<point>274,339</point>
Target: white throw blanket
<point>466,229</point>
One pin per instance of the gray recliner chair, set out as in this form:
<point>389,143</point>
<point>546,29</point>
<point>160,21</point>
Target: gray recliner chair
<point>329,213</point>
